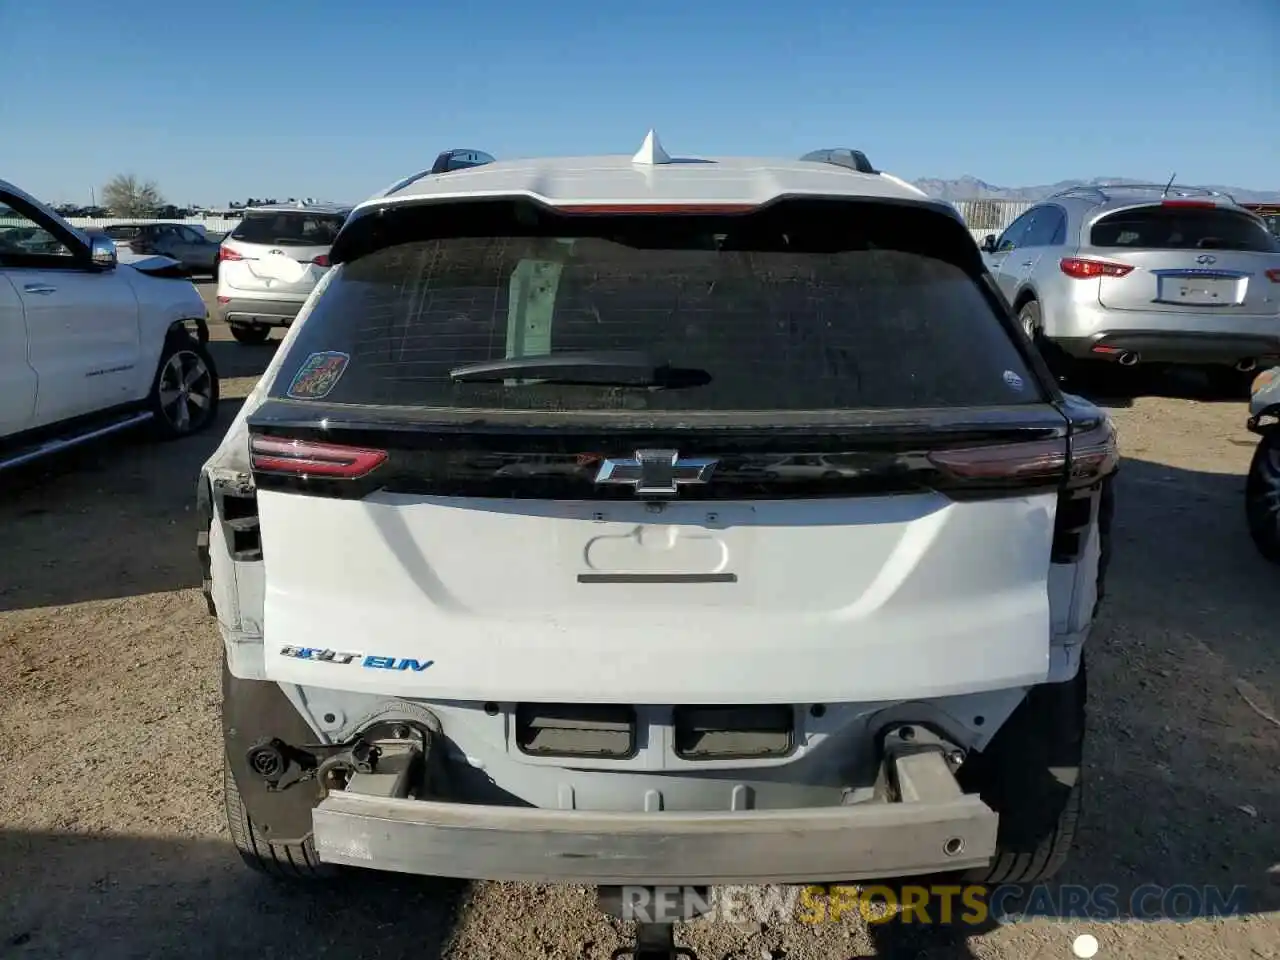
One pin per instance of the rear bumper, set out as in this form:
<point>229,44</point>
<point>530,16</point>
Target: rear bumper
<point>1170,346</point>
<point>270,313</point>
<point>865,841</point>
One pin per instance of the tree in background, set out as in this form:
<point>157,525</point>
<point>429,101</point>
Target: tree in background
<point>127,196</point>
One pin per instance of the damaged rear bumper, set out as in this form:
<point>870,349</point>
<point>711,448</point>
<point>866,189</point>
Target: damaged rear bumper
<point>933,828</point>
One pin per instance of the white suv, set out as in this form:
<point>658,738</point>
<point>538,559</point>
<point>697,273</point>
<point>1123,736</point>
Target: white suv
<point>514,583</point>
<point>269,264</point>
<point>93,340</point>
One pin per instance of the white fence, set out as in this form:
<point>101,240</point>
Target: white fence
<point>210,224</point>
<point>982,216</point>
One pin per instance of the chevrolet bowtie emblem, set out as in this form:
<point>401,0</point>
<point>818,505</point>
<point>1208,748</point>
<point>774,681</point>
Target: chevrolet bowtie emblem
<point>656,473</point>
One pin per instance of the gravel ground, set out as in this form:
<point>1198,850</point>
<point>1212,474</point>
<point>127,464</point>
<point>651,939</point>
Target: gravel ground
<point>112,842</point>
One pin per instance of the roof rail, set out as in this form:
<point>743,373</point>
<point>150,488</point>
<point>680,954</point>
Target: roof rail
<point>842,157</point>
<point>1106,191</point>
<point>460,159</point>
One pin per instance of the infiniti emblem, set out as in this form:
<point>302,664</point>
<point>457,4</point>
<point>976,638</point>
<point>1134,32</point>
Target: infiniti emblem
<point>1206,259</point>
<point>656,472</point>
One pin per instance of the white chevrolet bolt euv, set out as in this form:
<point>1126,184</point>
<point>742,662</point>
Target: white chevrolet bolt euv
<point>639,520</point>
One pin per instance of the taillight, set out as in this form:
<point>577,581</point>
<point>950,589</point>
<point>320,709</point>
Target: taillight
<point>226,253</point>
<point>1094,454</point>
<point>1038,460</point>
<point>1274,275</point>
<point>303,458</point>
<point>1082,268</point>
<point>1091,455</point>
<point>1199,204</point>
<point>322,260</point>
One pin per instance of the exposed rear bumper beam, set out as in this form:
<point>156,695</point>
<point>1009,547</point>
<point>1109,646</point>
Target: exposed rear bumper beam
<point>939,830</point>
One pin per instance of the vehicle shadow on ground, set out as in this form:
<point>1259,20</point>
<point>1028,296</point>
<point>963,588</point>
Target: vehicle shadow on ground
<point>64,896</point>
<point>235,360</point>
<point>1119,387</point>
<point>114,519</point>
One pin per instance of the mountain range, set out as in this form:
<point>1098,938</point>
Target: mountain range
<point>971,188</point>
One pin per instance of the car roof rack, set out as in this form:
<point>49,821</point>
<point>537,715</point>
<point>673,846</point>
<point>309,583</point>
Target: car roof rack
<point>460,159</point>
<point>842,157</point>
<point>1104,192</point>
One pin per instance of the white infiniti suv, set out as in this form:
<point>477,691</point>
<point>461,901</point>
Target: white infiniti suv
<point>508,589</point>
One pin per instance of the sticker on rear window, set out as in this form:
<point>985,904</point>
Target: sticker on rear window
<point>1013,380</point>
<point>318,375</point>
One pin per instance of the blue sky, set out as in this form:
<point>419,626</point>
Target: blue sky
<point>336,100</point>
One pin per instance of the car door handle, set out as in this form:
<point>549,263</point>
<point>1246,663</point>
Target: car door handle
<point>38,288</point>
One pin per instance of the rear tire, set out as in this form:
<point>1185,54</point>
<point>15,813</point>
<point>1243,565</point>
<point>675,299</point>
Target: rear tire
<point>1030,774</point>
<point>1262,498</point>
<point>1030,321</point>
<point>252,334</point>
<point>290,862</point>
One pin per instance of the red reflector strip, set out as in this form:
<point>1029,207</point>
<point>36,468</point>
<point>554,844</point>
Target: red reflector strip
<point>306,459</point>
<point>1008,461</point>
<point>1274,275</point>
<point>322,260</point>
<point>686,208</point>
<point>1082,268</point>
<point>1101,348</point>
<point>1201,204</point>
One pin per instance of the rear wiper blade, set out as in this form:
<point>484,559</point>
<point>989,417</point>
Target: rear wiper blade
<point>621,368</point>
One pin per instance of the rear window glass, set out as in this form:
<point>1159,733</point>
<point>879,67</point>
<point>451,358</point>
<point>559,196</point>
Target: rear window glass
<point>289,229</point>
<point>1180,228</point>
<point>775,330</point>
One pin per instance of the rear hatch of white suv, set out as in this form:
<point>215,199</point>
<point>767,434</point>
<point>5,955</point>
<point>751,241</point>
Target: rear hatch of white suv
<point>521,454</point>
<point>278,254</point>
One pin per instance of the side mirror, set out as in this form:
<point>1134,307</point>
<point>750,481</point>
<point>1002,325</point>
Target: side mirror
<point>102,252</point>
<point>989,243</point>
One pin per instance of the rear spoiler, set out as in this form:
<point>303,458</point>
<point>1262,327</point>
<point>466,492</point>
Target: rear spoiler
<point>376,225</point>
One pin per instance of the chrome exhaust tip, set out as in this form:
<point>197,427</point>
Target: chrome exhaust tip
<point>1247,366</point>
<point>1129,359</point>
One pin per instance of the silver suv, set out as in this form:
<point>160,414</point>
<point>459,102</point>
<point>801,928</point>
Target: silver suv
<point>1135,273</point>
<point>269,264</point>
